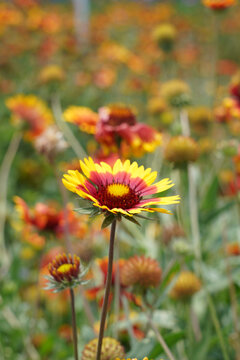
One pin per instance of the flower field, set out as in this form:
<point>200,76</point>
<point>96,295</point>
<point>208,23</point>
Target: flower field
<point>119,180</point>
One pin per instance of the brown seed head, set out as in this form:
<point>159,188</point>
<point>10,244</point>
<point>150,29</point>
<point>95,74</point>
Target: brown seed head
<point>111,349</point>
<point>140,270</point>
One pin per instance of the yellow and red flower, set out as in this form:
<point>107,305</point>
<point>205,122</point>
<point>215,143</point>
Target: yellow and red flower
<point>83,117</point>
<point>33,111</point>
<point>120,189</point>
<point>65,272</point>
<point>219,4</point>
<point>43,216</point>
<point>49,217</point>
<point>118,127</point>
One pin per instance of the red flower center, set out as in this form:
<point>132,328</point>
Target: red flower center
<point>117,195</point>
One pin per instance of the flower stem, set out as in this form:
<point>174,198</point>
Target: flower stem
<point>161,339</point>
<point>107,290</point>
<point>73,142</point>
<point>4,175</point>
<point>74,326</point>
<point>217,327</point>
<point>116,289</point>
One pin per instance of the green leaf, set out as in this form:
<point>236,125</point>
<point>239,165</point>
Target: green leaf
<point>209,216</point>
<point>132,219</point>
<point>144,217</point>
<point>210,198</point>
<point>108,220</point>
<point>95,212</point>
<point>84,210</point>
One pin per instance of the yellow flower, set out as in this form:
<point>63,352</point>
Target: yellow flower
<point>165,36</point>
<point>83,117</point>
<point>186,286</point>
<point>181,149</point>
<point>51,73</point>
<point>120,189</point>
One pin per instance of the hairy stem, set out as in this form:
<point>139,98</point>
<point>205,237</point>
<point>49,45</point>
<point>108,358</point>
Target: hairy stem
<point>107,290</point>
<point>74,326</point>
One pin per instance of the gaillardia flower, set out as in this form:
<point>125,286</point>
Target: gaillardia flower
<point>119,190</point>
<point>111,349</point>
<point>65,272</point>
<point>219,4</point>
<point>31,112</point>
<point>83,117</point>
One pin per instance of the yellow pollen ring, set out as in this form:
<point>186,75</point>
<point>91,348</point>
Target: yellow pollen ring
<point>64,268</point>
<point>118,190</point>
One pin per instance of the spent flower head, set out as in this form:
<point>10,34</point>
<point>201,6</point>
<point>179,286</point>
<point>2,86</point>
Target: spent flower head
<point>142,271</point>
<point>111,349</point>
<point>50,142</point>
<point>65,272</point>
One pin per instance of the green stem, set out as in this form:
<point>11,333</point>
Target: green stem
<point>73,142</point>
<point>4,175</point>
<point>74,326</point>
<point>161,339</point>
<point>107,290</point>
<point>217,327</point>
<point>194,219</point>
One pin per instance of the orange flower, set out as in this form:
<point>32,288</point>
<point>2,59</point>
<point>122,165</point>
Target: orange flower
<point>186,286</point>
<point>83,117</point>
<point>233,249</point>
<point>43,217</point>
<point>219,4</point>
<point>30,110</point>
